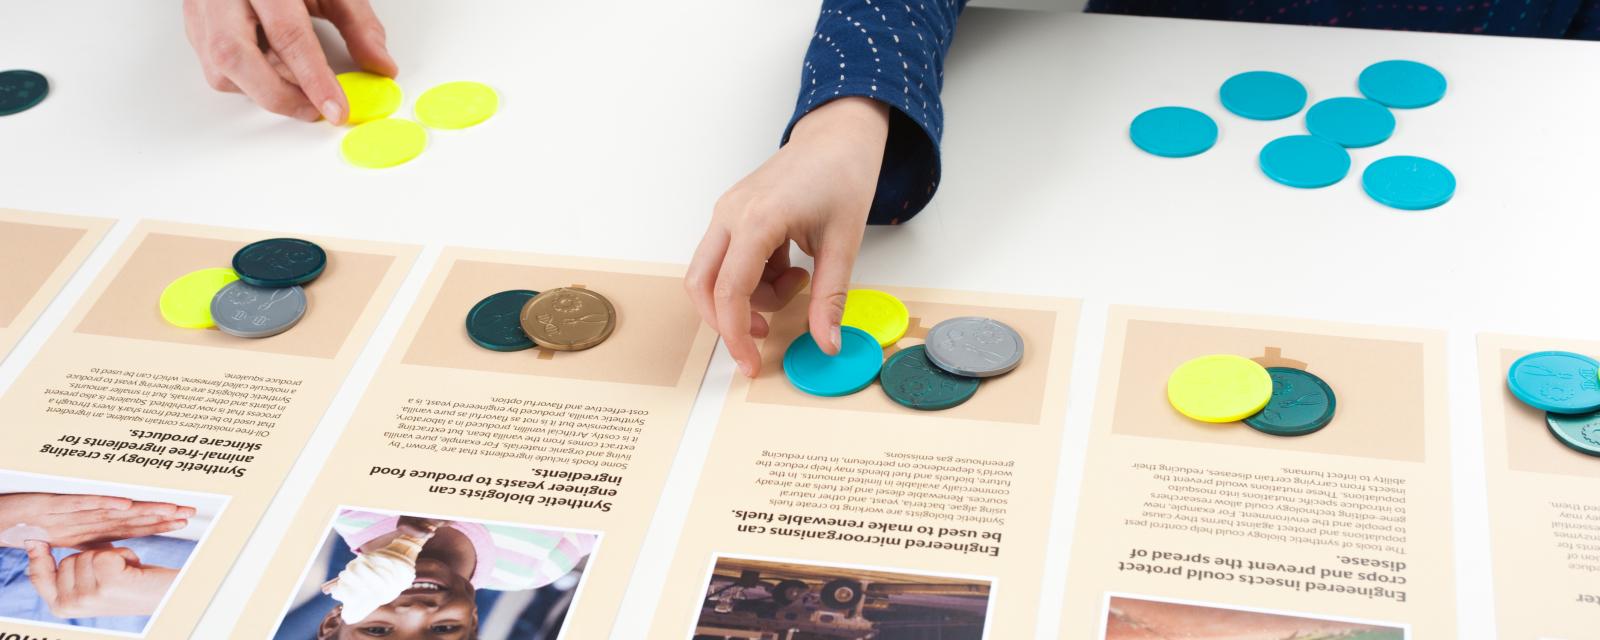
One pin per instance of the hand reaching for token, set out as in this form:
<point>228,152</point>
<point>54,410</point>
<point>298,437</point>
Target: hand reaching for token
<point>108,581</point>
<point>815,192</point>
<point>267,50</point>
<point>79,521</point>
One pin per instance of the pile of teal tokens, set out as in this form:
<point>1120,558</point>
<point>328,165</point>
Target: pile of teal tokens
<point>1318,158</point>
<point>262,295</point>
<point>1566,386</point>
<point>943,372</point>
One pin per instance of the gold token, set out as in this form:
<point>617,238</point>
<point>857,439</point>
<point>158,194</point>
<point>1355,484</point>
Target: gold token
<point>567,319</point>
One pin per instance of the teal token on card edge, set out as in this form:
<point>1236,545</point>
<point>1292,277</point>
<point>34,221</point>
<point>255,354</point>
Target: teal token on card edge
<point>1556,381</point>
<point>1173,132</point>
<point>1350,122</point>
<point>495,323</point>
<point>1262,95</point>
<point>1581,432</point>
<point>819,374</point>
<point>1305,162</point>
<point>1301,404</point>
<point>280,262</point>
<point>21,90</point>
<point>1408,182</point>
<point>912,380</point>
<point>1402,84</point>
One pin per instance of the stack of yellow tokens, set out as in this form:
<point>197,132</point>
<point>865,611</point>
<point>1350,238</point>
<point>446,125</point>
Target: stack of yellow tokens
<point>378,141</point>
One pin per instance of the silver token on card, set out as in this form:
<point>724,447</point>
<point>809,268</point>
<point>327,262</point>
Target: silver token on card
<point>975,347</point>
<point>249,311</point>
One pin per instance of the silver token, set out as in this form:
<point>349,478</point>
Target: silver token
<point>248,311</point>
<point>974,347</point>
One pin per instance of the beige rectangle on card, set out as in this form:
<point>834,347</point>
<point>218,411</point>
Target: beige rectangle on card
<point>1544,505</point>
<point>117,395</point>
<point>1345,529</point>
<point>41,251</point>
<point>577,442</point>
<point>838,502</point>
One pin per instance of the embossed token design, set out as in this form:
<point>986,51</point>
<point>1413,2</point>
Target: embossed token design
<point>1556,381</point>
<point>1580,432</point>
<point>280,262</point>
<point>20,90</point>
<point>187,301</point>
<point>911,380</point>
<point>819,374</point>
<point>249,311</point>
<point>974,347</point>
<point>495,323</point>
<point>568,319</point>
<point>1219,388</point>
<point>878,313</point>
<point>1301,403</point>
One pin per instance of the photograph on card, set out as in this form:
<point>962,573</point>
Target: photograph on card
<point>1140,618</point>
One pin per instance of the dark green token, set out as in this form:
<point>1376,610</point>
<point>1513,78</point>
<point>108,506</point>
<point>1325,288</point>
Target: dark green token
<point>1581,432</point>
<point>279,262</point>
<point>495,323</point>
<point>20,89</point>
<point>911,380</point>
<point>1301,403</point>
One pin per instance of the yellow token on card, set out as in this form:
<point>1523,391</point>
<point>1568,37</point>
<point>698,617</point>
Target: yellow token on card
<point>187,301</point>
<point>883,316</point>
<point>457,105</point>
<point>370,95</point>
<point>1219,388</point>
<point>383,143</point>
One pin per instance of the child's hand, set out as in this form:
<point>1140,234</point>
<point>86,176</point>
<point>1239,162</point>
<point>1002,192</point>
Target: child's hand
<point>108,581</point>
<point>815,192</point>
<point>267,50</point>
<point>73,520</point>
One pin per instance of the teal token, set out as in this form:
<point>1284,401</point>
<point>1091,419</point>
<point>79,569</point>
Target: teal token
<point>1402,84</point>
<point>1556,381</point>
<point>1579,432</point>
<point>1263,95</point>
<point>1173,132</point>
<point>1350,122</point>
<point>279,262</point>
<point>1301,404</point>
<point>819,374</point>
<point>20,90</point>
<point>1304,162</point>
<point>913,381</point>
<point>495,323</point>
<point>1408,182</point>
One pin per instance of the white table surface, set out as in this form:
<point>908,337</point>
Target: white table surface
<point>621,124</point>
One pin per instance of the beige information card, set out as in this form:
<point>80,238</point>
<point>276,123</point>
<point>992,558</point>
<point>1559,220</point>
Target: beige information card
<point>41,251</point>
<point>531,473</point>
<point>1544,505</point>
<point>854,516</point>
<point>1341,532</point>
<point>162,442</point>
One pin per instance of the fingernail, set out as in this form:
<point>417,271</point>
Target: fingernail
<point>835,338</point>
<point>744,368</point>
<point>330,110</point>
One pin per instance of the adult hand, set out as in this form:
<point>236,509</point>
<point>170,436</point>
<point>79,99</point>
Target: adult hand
<point>267,50</point>
<point>79,521</point>
<point>814,192</point>
<point>100,582</point>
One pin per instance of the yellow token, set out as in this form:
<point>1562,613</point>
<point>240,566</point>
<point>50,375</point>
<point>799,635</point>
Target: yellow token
<point>1219,388</point>
<point>383,143</point>
<point>187,301</point>
<point>370,95</point>
<point>456,105</point>
<point>877,313</point>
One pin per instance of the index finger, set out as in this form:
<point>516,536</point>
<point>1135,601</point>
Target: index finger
<point>83,502</point>
<point>42,571</point>
<point>288,29</point>
<point>741,272</point>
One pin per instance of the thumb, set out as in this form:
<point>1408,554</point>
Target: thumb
<point>829,286</point>
<point>42,571</point>
<point>128,556</point>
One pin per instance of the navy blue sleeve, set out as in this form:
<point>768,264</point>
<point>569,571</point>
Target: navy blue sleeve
<point>891,51</point>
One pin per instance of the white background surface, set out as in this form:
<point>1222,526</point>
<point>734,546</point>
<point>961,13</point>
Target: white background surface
<point>622,123</point>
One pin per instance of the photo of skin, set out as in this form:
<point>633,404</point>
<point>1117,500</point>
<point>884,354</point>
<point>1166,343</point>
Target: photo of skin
<point>1138,619</point>
<point>390,575</point>
<point>766,600</point>
<point>94,555</point>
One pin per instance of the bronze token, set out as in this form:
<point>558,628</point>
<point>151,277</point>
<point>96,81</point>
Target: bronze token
<point>567,319</point>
